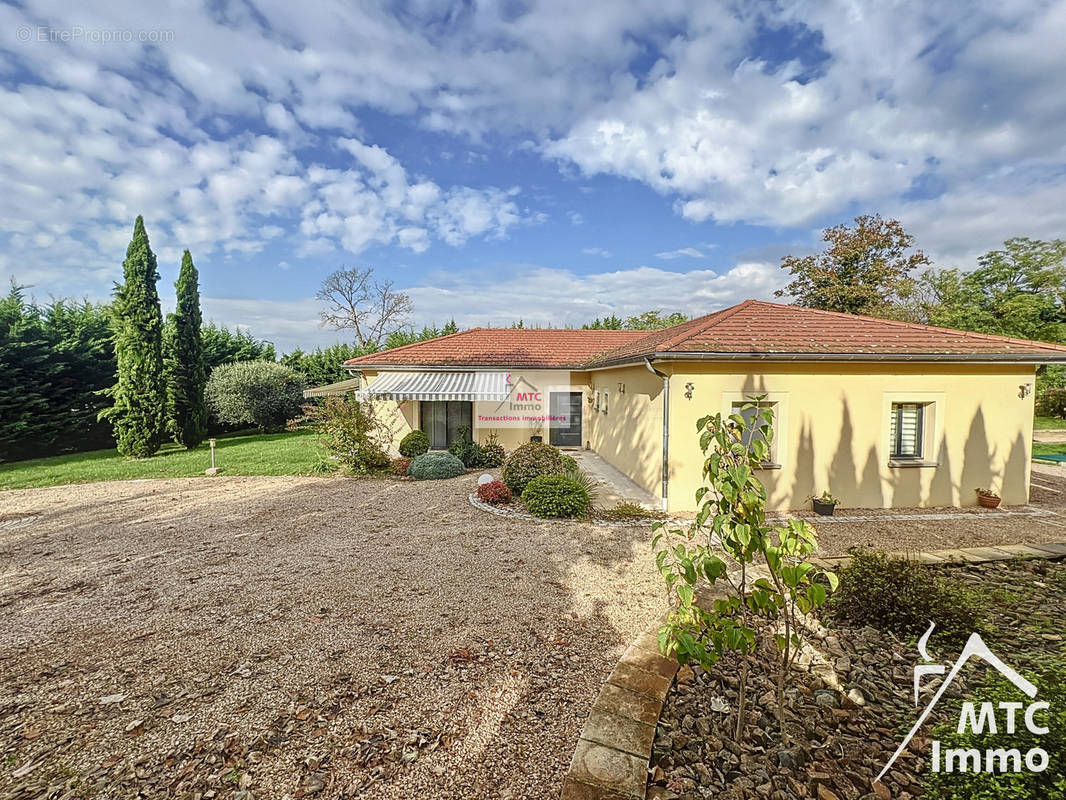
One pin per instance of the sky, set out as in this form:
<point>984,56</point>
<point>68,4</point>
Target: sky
<point>545,161</point>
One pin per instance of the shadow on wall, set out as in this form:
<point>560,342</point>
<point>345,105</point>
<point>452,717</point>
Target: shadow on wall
<point>622,449</point>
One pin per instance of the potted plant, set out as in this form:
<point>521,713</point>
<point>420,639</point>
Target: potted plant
<point>825,504</point>
<point>988,498</point>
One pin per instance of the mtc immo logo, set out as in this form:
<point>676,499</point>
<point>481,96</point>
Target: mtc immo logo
<point>999,719</point>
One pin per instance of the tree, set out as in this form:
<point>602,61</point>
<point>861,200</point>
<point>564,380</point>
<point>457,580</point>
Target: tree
<point>324,365</point>
<point>864,270</point>
<point>138,415</point>
<point>224,347</point>
<point>610,323</point>
<point>653,321</point>
<point>186,373</point>
<point>262,394</point>
<point>356,300</point>
<point>1017,291</point>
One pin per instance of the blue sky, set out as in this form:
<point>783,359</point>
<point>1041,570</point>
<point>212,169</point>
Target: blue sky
<point>534,160</point>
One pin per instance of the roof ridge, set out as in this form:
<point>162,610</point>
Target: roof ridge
<point>712,319</point>
<point>412,344</point>
<point>995,337</point>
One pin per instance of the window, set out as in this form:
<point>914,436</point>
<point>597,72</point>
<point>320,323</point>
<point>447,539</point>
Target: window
<point>597,400</point>
<point>605,396</point>
<point>753,434</point>
<point>907,430</point>
<point>442,420</point>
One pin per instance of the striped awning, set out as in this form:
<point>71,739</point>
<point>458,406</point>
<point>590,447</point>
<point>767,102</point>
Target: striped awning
<point>341,388</point>
<point>438,386</point>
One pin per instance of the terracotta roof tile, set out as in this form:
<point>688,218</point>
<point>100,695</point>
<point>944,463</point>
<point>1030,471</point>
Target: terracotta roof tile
<point>504,347</point>
<point>753,327</point>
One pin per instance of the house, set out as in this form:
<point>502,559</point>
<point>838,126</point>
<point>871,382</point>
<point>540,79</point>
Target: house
<point>882,414</point>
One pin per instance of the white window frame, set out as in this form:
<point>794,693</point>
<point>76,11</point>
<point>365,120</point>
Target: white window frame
<point>606,396</point>
<point>779,448</point>
<point>934,409</point>
<point>597,406</point>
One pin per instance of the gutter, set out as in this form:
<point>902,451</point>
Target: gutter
<point>953,358</point>
<point>666,428</point>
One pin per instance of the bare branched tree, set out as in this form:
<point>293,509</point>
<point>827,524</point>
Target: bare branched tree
<point>356,300</point>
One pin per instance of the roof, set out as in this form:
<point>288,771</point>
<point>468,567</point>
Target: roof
<point>504,347</point>
<point>752,329</point>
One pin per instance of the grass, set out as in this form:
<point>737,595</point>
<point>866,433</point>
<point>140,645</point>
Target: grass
<point>1049,423</point>
<point>1048,448</point>
<point>236,454</point>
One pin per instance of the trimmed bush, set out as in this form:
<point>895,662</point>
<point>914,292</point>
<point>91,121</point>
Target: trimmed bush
<point>570,463</point>
<point>494,493</point>
<point>435,466</point>
<point>1052,402</point>
<point>901,596</point>
<point>414,444</point>
<point>262,394</point>
<point>556,496</point>
<point>492,454</point>
<point>400,466</point>
<point>529,461</point>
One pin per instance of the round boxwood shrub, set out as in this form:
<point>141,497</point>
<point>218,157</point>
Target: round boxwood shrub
<point>530,461</point>
<point>414,444</point>
<point>556,496</point>
<point>434,466</point>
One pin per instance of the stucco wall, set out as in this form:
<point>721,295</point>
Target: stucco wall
<point>630,434</point>
<point>833,430</point>
<point>403,417</point>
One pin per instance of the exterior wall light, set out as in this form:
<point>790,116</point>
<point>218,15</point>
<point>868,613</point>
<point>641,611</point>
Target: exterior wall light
<point>1025,390</point>
<point>688,389</point>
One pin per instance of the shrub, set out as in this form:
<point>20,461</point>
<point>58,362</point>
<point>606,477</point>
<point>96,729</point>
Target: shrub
<point>400,466</point>
<point>467,450</point>
<point>626,511</point>
<point>555,496</point>
<point>586,481</point>
<point>258,393</point>
<point>901,596</point>
<point>494,493</point>
<point>1052,402</point>
<point>414,444</point>
<point>570,464</point>
<point>492,452</point>
<point>435,466</point>
<point>1024,785</point>
<point>530,461</point>
<point>350,431</point>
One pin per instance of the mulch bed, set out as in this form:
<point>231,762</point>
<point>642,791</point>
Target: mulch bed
<point>840,739</point>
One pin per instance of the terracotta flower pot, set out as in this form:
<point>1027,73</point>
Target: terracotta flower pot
<point>989,502</point>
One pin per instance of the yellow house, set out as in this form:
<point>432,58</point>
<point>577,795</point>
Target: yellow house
<point>882,414</point>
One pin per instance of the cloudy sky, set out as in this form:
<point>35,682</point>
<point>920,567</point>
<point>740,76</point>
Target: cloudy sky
<point>551,161</point>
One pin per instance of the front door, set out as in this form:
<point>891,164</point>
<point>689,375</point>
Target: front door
<point>565,429</point>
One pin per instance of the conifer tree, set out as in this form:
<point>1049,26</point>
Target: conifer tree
<point>186,373</point>
<point>140,399</point>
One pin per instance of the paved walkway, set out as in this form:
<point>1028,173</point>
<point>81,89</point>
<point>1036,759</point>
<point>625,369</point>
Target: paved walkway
<point>615,486</point>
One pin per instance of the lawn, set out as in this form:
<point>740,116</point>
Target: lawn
<point>1049,423</point>
<point>236,454</point>
<point>1048,448</point>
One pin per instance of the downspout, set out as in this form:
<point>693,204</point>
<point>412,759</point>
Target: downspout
<point>666,427</point>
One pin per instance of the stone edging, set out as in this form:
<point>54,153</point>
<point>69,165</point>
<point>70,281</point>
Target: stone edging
<point>613,751</point>
<point>612,754</point>
<point>510,513</point>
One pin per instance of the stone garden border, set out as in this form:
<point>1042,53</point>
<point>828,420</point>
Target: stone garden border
<point>614,749</point>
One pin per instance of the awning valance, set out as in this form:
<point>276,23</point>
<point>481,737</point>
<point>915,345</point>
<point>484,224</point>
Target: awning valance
<point>438,386</point>
<point>341,388</point>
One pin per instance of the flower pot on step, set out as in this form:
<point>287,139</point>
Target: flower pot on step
<point>989,502</point>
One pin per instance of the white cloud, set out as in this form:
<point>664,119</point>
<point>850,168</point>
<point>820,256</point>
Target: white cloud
<point>684,252</point>
<point>596,251</point>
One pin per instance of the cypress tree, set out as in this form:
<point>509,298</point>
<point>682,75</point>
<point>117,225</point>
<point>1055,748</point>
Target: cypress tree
<point>187,374</point>
<point>140,398</point>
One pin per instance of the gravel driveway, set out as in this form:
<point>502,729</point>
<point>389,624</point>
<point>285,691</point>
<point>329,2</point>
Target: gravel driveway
<point>264,637</point>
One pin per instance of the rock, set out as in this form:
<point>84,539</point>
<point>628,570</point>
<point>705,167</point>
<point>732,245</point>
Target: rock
<point>857,697</point>
<point>825,793</point>
<point>313,784</point>
<point>135,727</point>
<point>212,471</point>
<point>827,698</point>
<point>881,790</point>
<point>685,675</point>
<point>112,698</point>
<point>704,775</point>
